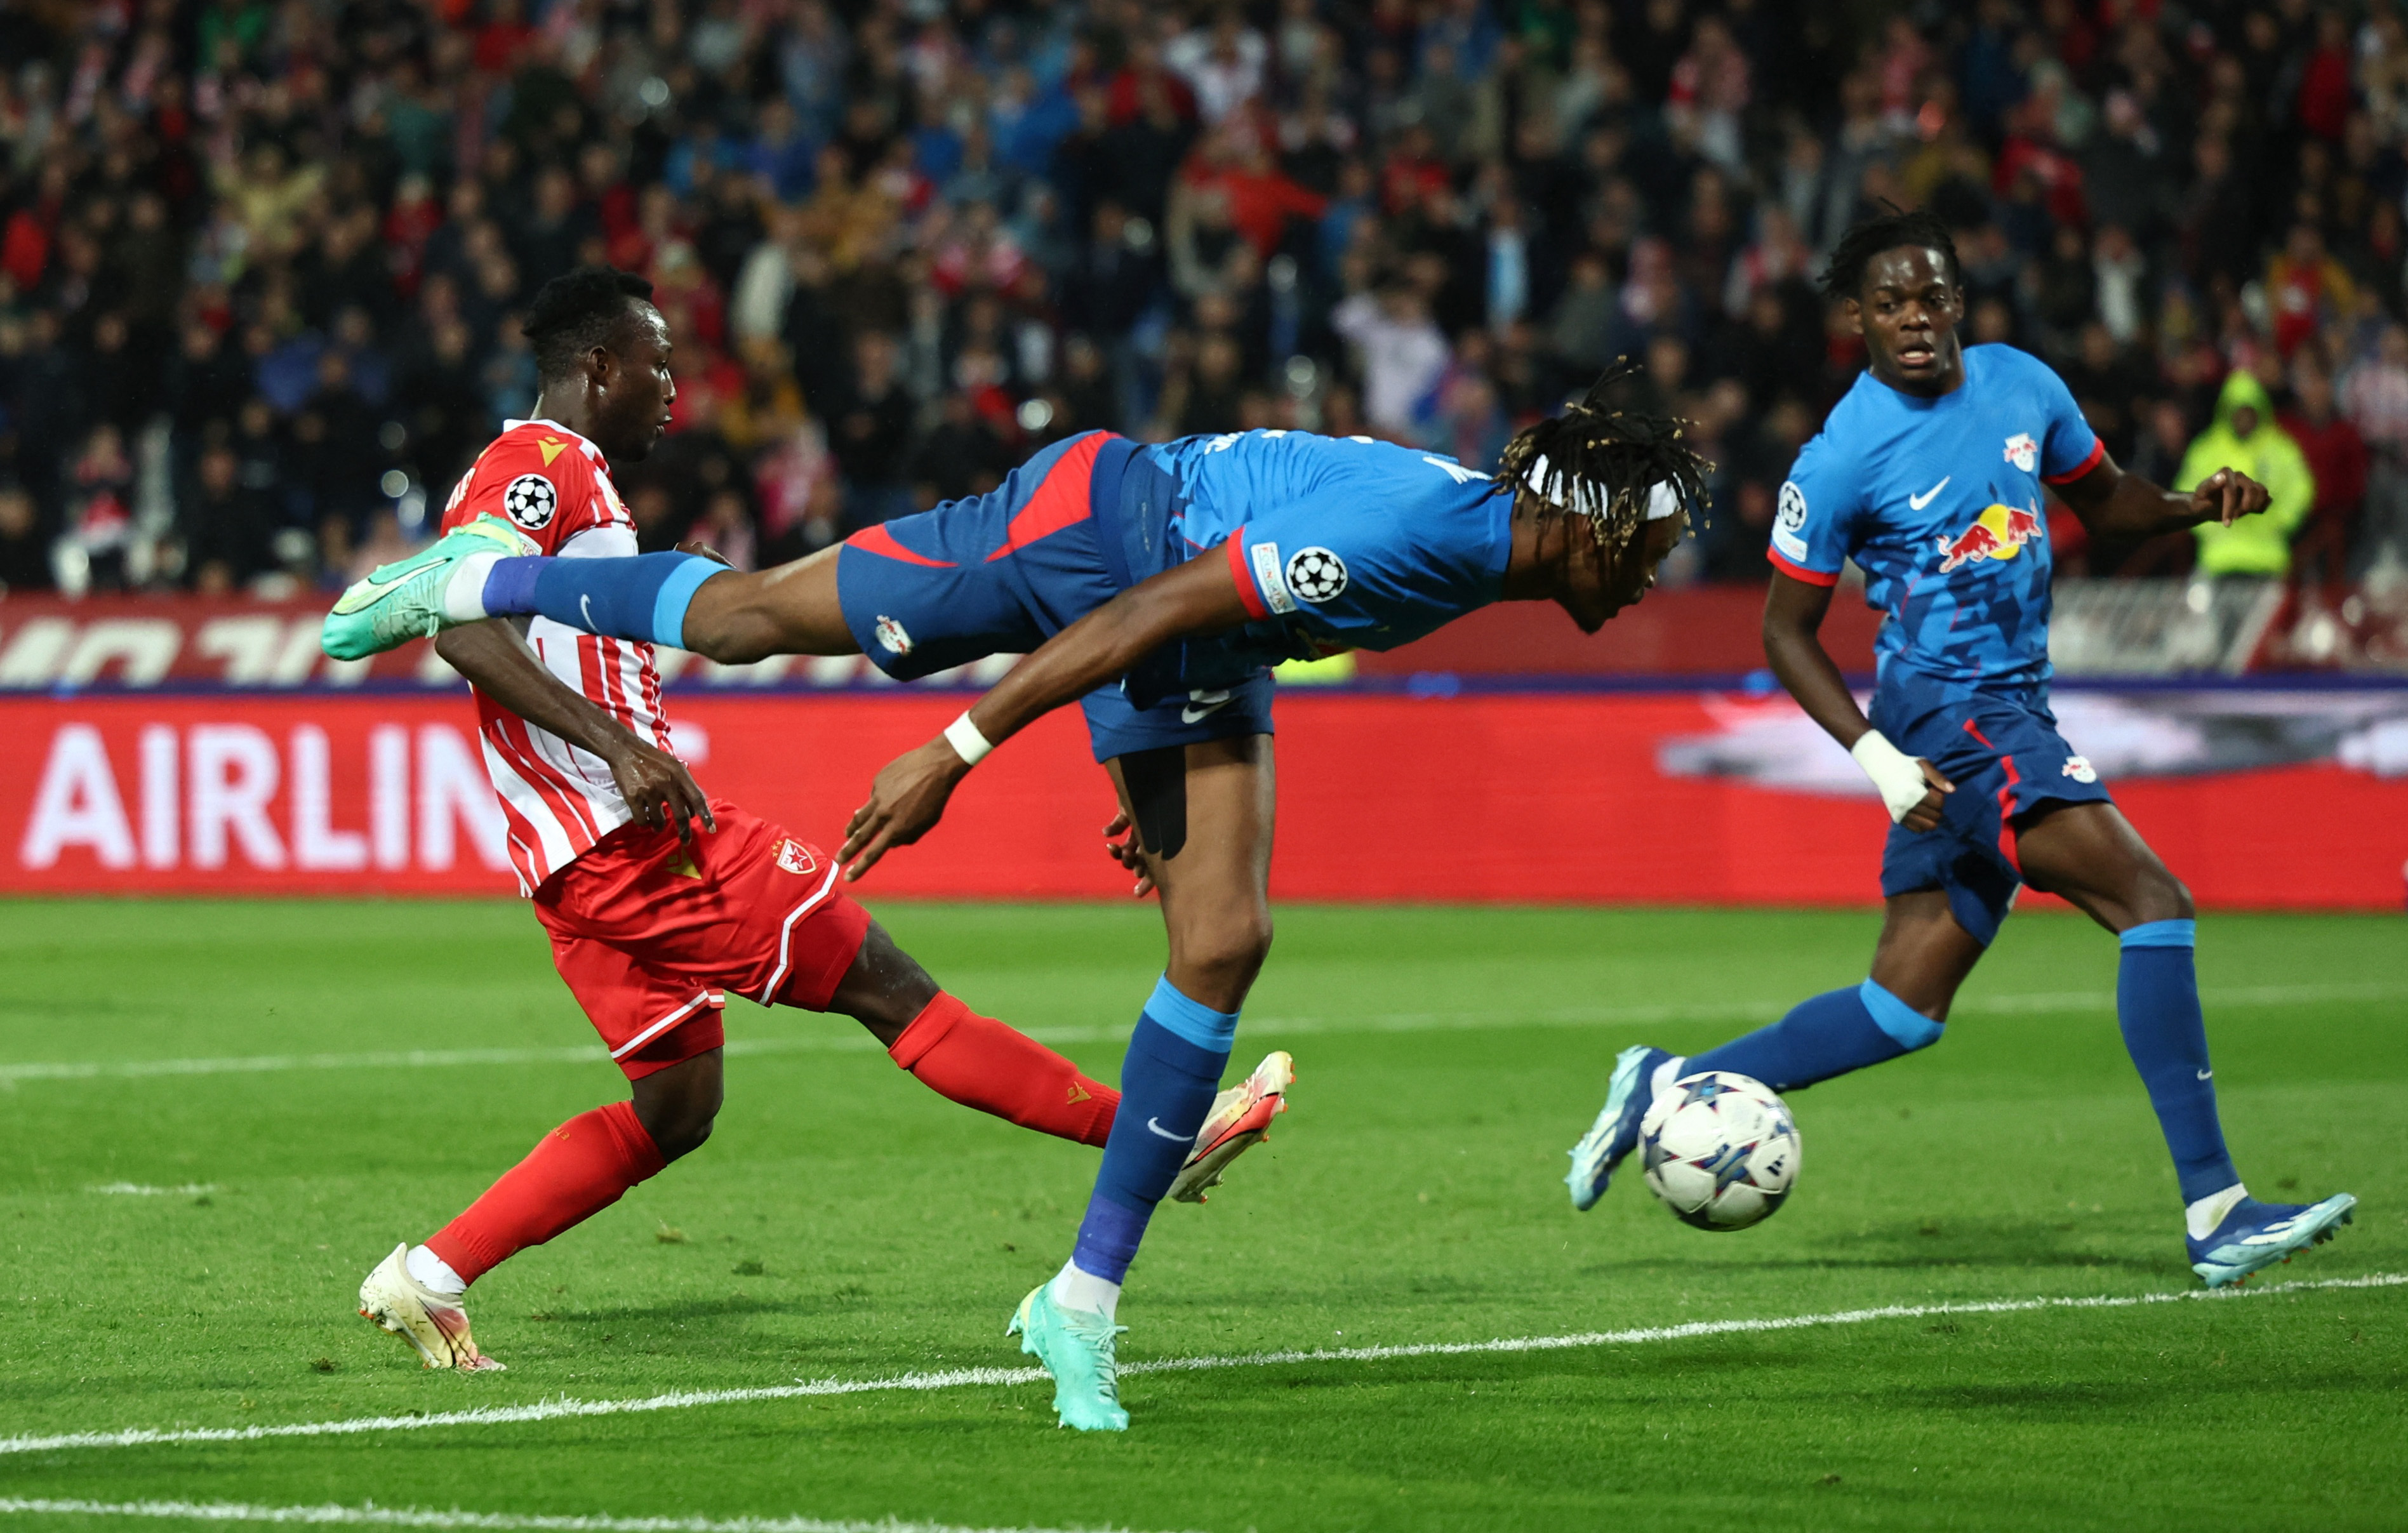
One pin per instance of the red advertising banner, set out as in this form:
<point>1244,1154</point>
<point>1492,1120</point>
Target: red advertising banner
<point>2257,797</point>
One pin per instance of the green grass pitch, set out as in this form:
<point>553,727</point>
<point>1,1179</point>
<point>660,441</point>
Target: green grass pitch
<point>846,1224</point>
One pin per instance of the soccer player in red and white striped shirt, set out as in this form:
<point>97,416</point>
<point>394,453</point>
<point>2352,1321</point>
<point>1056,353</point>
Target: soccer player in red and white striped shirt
<point>657,900</point>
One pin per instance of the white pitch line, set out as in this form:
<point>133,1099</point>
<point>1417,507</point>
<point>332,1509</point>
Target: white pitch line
<point>144,1189</point>
<point>1391,1021</point>
<point>373,1515</point>
<point>559,1409</point>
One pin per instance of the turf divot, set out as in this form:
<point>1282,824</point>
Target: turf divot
<point>558,1410</point>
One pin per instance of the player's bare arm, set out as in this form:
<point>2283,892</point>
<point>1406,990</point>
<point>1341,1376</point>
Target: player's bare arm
<point>1792,646</point>
<point>2114,504</point>
<point>496,656</point>
<point>1195,600</point>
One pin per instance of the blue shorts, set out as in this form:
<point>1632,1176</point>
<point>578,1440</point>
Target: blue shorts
<point>2005,757</point>
<point>1002,572</point>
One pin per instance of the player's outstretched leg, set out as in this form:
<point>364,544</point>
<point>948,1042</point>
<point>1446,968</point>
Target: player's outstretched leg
<point>2091,855</point>
<point>1205,814</point>
<point>574,1172</point>
<point>681,600</point>
<point>1922,954</point>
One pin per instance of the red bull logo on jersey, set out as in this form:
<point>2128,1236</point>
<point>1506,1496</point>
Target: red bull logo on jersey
<point>2022,451</point>
<point>1999,532</point>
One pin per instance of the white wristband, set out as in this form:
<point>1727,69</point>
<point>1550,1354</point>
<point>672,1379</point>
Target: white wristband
<point>1893,772</point>
<point>968,743</point>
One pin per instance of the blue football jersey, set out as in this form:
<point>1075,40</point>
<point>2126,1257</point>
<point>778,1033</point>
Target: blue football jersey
<point>1336,543</point>
<point>1939,501</point>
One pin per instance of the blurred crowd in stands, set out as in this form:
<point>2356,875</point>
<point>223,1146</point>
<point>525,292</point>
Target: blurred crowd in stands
<point>261,261</point>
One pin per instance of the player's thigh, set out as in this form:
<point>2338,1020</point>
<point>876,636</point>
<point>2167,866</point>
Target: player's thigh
<point>1924,953</point>
<point>1208,809</point>
<point>2089,855</point>
<point>739,617</point>
<point>884,989</point>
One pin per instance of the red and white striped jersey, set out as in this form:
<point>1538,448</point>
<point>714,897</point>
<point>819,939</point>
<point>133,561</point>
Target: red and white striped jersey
<point>557,800</point>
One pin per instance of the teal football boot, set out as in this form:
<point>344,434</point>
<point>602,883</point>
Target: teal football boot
<point>404,600</point>
<point>1076,1347</point>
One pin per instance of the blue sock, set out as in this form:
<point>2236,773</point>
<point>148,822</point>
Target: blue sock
<point>2156,1001</point>
<point>642,597</point>
<point>1827,1035</point>
<point>1167,1083</point>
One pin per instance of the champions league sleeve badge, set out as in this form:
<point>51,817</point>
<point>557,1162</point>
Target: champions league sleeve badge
<point>531,501</point>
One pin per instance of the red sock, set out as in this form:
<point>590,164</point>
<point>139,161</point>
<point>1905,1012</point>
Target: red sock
<point>978,1062</point>
<point>574,1172</point>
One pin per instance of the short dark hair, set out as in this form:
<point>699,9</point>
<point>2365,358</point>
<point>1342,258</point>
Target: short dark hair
<point>1844,277</point>
<point>1604,461</point>
<point>577,311</point>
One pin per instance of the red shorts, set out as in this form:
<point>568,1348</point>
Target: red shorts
<point>651,935</point>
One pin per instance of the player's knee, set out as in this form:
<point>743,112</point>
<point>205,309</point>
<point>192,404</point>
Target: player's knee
<point>679,1106</point>
<point>679,1125</point>
<point>2164,898</point>
<point>2152,893</point>
<point>1221,956</point>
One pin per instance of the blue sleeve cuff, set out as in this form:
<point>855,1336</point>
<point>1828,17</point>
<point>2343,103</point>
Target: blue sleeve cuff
<point>1192,1019</point>
<point>1910,1028</point>
<point>676,593</point>
<point>2162,934</point>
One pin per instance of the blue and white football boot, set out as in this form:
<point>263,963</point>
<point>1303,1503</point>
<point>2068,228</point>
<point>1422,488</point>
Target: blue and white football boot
<point>1615,1133</point>
<point>2257,1235</point>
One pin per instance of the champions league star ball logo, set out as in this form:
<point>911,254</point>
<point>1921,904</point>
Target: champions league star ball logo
<point>530,501</point>
<point>1316,574</point>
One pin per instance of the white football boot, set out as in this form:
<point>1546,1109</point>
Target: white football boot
<point>435,1325</point>
<point>1240,1119</point>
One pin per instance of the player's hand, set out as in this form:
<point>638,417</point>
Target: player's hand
<point>704,550</point>
<point>1925,815</point>
<point>2227,495</point>
<point>905,800</point>
<point>1129,852</point>
<point>659,789</point>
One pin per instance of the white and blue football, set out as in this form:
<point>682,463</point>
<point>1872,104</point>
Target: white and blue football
<point>1720,1150</point>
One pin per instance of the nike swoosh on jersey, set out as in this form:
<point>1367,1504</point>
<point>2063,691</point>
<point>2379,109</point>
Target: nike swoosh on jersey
<point>1918,502</point>
<point>1154,1126</point>
<point>2207,1075</point>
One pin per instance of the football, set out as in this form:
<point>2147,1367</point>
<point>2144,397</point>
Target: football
<point>1720,1150</point>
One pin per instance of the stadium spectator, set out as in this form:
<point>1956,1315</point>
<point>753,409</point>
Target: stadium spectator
<point>2245,435</point>
<point>2336,457</point>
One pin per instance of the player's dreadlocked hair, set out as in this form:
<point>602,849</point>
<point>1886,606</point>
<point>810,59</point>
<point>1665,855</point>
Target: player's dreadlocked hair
<point>577,311</point>
<point>1844,277</point>
<point>1604,462</point>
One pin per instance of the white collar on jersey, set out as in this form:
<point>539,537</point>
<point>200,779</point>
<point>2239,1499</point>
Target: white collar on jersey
<point>1661,501</point>
<point>582,445</point>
